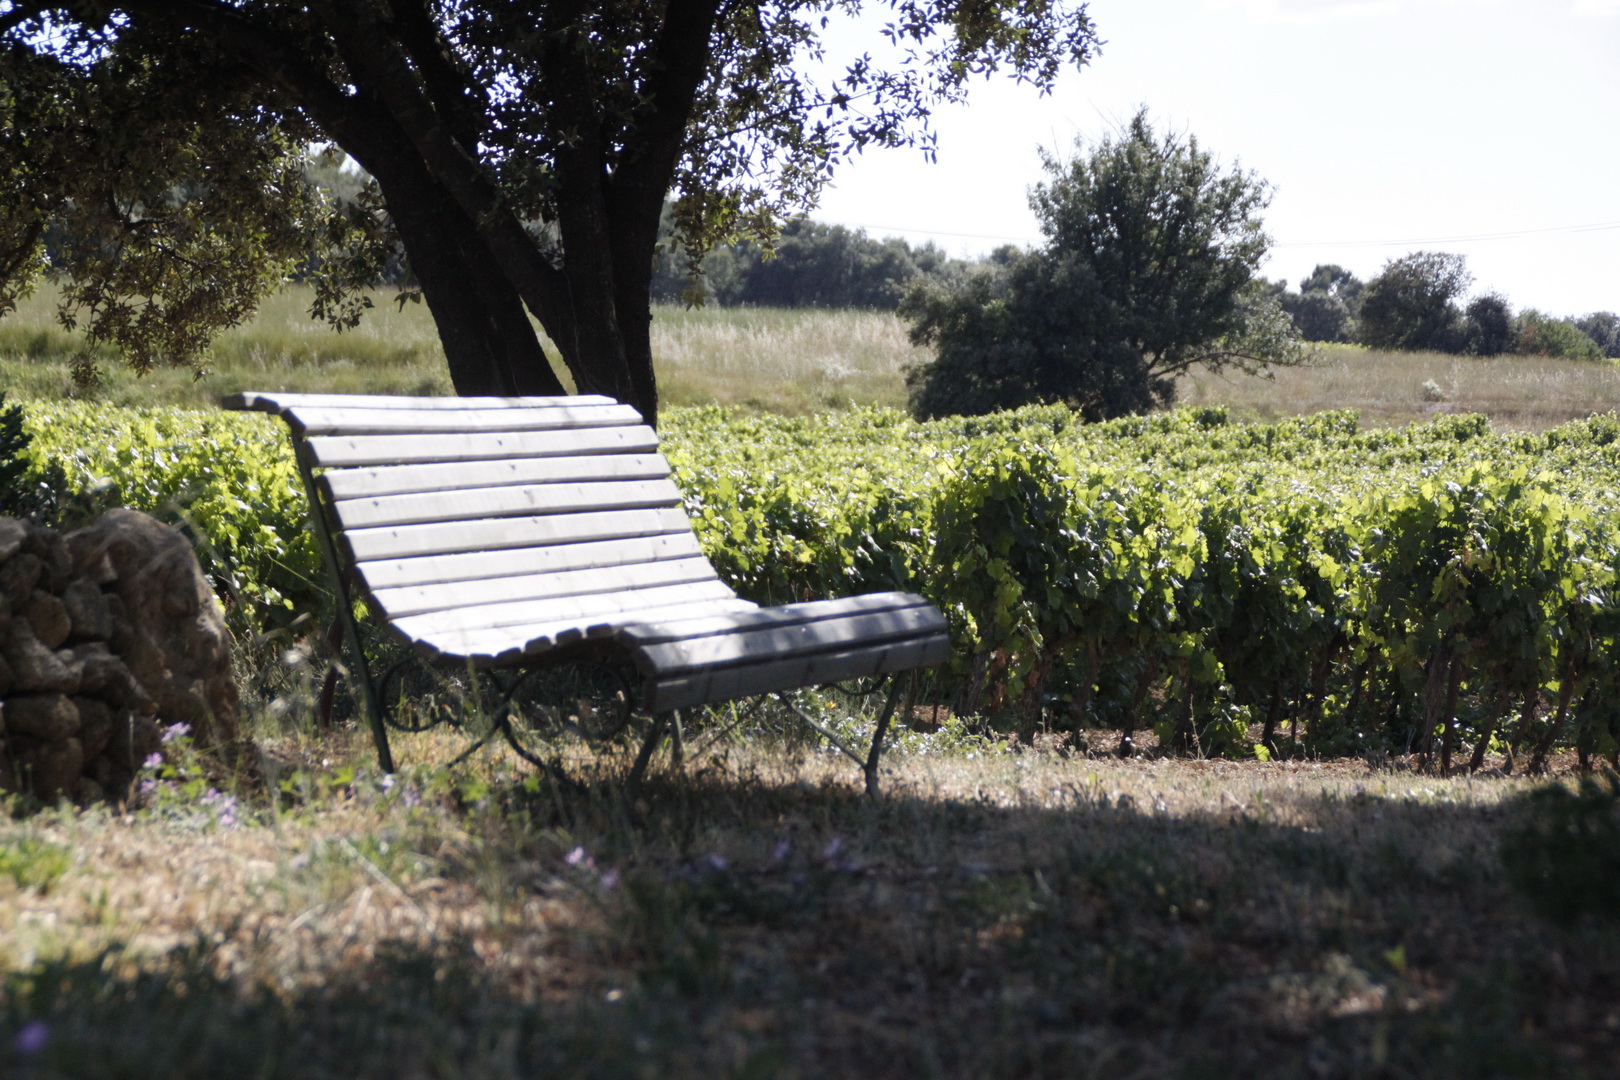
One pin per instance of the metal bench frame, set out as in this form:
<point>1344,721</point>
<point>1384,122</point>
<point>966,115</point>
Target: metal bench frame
<point>504,533</point>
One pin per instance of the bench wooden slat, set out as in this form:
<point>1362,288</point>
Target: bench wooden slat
<point>478,565</point>
<point>512,644</point>
<point>281,403</point>
<point>642,634</point>
<point>453,476</point>
<point>825,635</point>
<point>421,599</point>
<point>725,684</point>
<point>406,541</point>
<point>498,502</point>
<point>518,612</point>
<point>347,451</point>
<point>317,421</point>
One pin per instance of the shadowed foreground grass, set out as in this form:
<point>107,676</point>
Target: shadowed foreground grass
<point>996,914</point>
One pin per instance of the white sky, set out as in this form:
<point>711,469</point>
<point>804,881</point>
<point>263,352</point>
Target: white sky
<point>1484,127</point>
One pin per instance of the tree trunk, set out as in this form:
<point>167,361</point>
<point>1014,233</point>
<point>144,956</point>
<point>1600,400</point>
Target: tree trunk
<point>1498,710</point>
<point>1268,734</point>
<point>1453,685</point>
<point>1538,760</point>
<point>489,343</point>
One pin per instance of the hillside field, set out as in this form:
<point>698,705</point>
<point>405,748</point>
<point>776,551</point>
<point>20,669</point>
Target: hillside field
<point>793,362</point>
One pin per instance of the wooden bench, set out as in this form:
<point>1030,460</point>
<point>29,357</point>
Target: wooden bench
<point>504,533</point>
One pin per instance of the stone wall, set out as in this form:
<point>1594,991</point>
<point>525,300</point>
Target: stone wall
<point>107,635</point>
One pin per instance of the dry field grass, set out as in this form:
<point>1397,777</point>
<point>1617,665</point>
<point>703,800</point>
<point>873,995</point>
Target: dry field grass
<point>794,362</point>
<point>1524,393</point>
<point>760,359</point>
<point>994,914</point>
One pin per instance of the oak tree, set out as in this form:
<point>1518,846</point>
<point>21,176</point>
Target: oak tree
<point>1149,270</point>
<point>521,153</point>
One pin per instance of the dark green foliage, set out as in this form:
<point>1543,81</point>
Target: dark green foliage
<point>1335,281</point>
<point>1488,325</point>
<point>1537,334</point>
<point>809,265</point>
<point>1562,851</point>
<point>26,491</point>
<point>1412,303</point>
<point>1325,307</point>
<point>1602,327</point>
<point>1318,316</point>
<point>1021,333</point>
<point>13,465</point>
<point>1149,270</point>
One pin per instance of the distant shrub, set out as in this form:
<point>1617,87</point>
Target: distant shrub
<point>1602,327</point>
<point>1411,303</point>
<point>1488,325</point>
<point>1537,334</point>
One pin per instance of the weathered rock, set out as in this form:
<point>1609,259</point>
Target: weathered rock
<point>95,724</point>
<point>48,717</point>
<point>51,770</point>
<point>87,610</point>
<point>103,674</point>
<point>90,792</point>
<point>88,550</point>
<point>12,534</point>
<point>49,618</point>
<point>34,668</point>
<point>18,576</point>
<point>177,629</point>
<point>5,676</point>
<point>103,772</point>
<point>181,701</point>
<point>8,776</point>
<point>56,564</point>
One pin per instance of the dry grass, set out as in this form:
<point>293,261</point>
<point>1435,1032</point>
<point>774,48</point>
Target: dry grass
<point>1390,389</point>
<point>996,914</point>
<point>789,361</point>
<point>764,359</point>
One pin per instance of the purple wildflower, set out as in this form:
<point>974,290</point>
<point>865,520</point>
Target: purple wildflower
<point>32,1038</point>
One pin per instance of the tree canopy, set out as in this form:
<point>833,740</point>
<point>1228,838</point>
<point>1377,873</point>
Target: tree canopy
<point>1148,270</point>
<point>1412,303</point>
<point>521,155</point>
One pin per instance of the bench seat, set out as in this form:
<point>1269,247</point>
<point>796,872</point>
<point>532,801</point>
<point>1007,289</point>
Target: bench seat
<point>506,531</point>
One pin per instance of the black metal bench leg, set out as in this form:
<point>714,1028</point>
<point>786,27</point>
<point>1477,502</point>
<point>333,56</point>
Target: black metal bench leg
<point>649,745</point>
<point>871,766</point>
